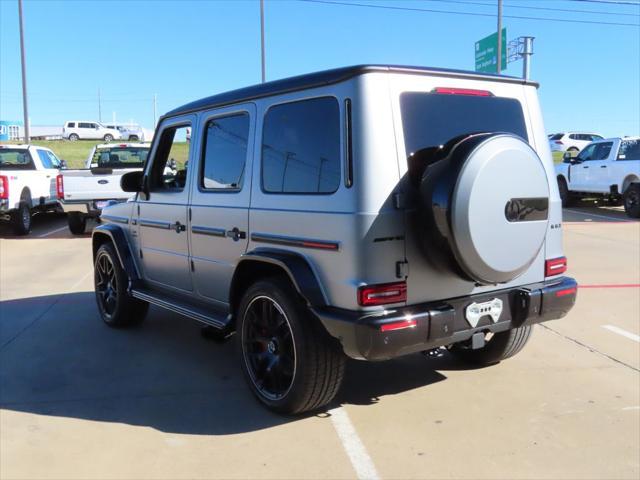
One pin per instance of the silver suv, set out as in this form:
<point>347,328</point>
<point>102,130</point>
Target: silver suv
<point>364,212</point>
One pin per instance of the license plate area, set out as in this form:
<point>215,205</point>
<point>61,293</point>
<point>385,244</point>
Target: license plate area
<point>492,309</point>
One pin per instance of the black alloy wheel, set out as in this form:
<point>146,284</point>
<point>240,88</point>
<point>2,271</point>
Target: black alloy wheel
<point>106,282</point>
<point>268,348</point>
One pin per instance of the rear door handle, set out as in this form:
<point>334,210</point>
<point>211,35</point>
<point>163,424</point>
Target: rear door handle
<point>236,234</point>
<point>178,227</point>
<point>585,167</point>
<point>603,166</point>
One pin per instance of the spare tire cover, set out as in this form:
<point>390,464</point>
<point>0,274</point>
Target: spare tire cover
<point>497,206</point>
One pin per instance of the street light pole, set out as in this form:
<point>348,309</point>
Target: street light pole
<point>262,39</point>
<point>25,108</point>
<point>499,61</point>
<point>99,107</point>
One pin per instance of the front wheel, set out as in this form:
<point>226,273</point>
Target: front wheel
<point>77,223</point>
<point>108,137</point>
<point>631,200</point>
<point>499,347</point>
<point>21,219</point>
<point>117,308</point>
<point>290,362</point>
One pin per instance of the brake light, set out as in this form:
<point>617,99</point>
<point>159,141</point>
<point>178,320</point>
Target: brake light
<point>382,294</point>
<point>558,142</point>
<point>59,187</point>
<point>4,187</point>
<point>463,91</point>
<point>555,266</point>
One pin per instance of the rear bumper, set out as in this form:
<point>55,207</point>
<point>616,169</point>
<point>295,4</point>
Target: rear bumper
<point>443,323</point>
<point>87,207</point>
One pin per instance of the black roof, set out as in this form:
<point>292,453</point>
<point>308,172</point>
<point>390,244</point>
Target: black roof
<point>326,77</point>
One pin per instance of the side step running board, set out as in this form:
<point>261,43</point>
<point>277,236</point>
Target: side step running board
<point>207,317</point>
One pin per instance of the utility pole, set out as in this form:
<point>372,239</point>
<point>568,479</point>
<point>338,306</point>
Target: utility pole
<point>499,64</point>
<point>25,108</point>
<point>527,51</point>
<point>99,107</point>
<point>155,102</point>
<point>262,39</point>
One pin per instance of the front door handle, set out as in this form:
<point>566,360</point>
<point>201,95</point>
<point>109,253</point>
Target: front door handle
<point>236,234</point>
<point>585,167</point>
<point>178,227</point>
<point>603,166</point>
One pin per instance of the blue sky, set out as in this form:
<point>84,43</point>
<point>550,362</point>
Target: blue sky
<point>184,50</point>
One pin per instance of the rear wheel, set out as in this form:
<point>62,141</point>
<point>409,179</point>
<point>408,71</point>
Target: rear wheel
<point>77,223</point>
<point>133,138</point>
<point>631,199</point>
<point>291,363</point>
<point>572,149</point>
<point>74,137</point>
<point>21,219</point>
<point>117,308</point>
<point>499,347</point>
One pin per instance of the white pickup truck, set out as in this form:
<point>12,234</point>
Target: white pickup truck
<point>86,191</point>
<point>30,181</point>
<point>608,168</point>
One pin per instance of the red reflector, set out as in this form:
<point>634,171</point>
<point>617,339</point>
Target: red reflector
<point>4,187</point>
<point>59,187</point>
<point>463,91</point>
<point>555,266</point>
<point>382,294</point>
<point>326,246</point>
<point>398,325</point>
<point>566,291</point>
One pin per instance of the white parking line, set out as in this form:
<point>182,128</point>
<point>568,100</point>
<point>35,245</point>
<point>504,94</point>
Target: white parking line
<point>353,446</point>
<point>624,333</point>
<point>622,220</point>
<point>51,232</point>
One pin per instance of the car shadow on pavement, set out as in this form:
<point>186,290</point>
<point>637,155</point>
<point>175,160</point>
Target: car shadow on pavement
<point>41,223</point>
<point>589,211</point>
<point>57,358</point>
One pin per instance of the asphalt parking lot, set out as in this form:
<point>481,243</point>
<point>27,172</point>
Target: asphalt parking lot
<point>80,400</point>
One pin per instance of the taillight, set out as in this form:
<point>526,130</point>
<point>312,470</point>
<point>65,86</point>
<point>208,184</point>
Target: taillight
<point>4,187</point>
<point>59,187</point>
<point>555,266</point>
<point>463,91</point>
<point>558,142</point>
<point>382,294</point>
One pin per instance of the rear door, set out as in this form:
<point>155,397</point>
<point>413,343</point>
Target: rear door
<point>220,199</point>
<point>162,213</point>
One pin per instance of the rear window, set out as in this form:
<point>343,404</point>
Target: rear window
<point>557,136</point>
<point>120,157</point>
<point>432,119</point>
<point>15,159</point>
<point>629,150</point>
<point>71,125</point>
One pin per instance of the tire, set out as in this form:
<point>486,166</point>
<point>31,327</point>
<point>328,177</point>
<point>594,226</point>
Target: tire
<point>74,137</point>
<point>133,138</point>
<point>77,223</point>
<point>290,362</point>
<point>573,149</point>
<point>565,195</point>
<point>21,219</point>
<point>631,198</point>
<point>117,308</point>
<point>108,137</point>
<point>500,347</point>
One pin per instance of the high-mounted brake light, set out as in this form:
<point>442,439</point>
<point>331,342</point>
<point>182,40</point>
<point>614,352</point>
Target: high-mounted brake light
<point>59,187</point>
<point>463,91</point>
<point>555,266</point>
<point>4,187</point>
<point>382,294</point>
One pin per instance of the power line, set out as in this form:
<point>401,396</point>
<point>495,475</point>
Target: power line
<point>611,2</point>
<point>569,10</point>
<point>475,14</point>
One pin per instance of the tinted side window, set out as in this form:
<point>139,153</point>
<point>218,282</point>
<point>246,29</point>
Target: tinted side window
<point>169,169</point>
<point>301,147</point>
<point>225,152</point>
<point>602,151</point>
<point>71,125</point>
<point>629,150</point>
<point>573,136</point>
<point>84,125</point>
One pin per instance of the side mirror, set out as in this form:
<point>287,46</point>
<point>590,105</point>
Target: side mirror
<point>132,181</point>
<point>63,164</point>
<point>569,158</point>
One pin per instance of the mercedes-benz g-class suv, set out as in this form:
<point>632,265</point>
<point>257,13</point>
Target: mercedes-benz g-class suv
<point>364,212</point>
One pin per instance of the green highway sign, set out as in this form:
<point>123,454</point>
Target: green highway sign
<point>487,53</point>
